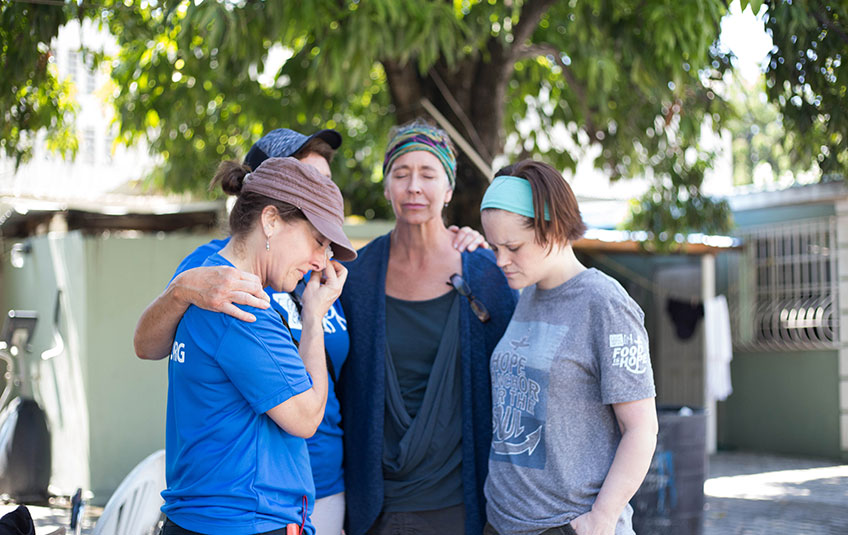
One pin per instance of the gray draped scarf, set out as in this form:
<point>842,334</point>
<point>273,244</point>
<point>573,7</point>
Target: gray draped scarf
<point>419,452</point>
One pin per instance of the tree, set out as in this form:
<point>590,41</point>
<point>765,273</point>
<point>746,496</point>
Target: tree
<point>31,97</point>
<point>758,135</point>
<point>617,73</point>
<point>807,76</point>
<point>636,77</point>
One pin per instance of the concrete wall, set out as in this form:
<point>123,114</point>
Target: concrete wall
<point>783,402</point>
<point>789,401</point>
<point>106,407</point>
<point>53,263</point>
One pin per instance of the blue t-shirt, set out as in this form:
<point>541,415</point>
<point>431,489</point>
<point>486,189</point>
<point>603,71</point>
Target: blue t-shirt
<point>229,467</point>
<point>325,446</point>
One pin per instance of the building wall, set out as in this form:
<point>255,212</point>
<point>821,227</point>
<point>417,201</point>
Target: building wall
<point>841,209</point>
<point>791,402</point>
<point>126,396</point>
<point>783,402</point>
<point>57,262</point>
<point>101,165</point>
<point>106,407</point>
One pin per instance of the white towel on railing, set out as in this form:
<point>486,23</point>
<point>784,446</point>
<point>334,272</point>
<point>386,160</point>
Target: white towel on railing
<point>718,347</point>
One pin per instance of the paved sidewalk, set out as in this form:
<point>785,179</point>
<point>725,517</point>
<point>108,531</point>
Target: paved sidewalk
<point>751,494</point>
<point>746,494</point>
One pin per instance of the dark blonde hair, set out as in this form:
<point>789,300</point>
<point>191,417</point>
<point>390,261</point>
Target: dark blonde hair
<point>549,189</point>
<point>249,205</point>
<point>318,146</point>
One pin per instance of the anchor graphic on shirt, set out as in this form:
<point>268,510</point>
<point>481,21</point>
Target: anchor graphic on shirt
<point>528,445</point>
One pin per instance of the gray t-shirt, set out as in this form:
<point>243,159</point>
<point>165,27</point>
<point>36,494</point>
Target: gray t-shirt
<point>568,354</point>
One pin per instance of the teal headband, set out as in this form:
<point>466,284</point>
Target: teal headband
<point>512,194</point>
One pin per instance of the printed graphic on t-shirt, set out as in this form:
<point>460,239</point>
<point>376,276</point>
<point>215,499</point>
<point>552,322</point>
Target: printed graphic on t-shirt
<point>520,368</point>
<point>629,352</point>
<point>333,322</point>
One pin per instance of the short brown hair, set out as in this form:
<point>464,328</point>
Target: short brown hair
<point>549,189</point>
<point>318,146</point>
<point>230,175</point>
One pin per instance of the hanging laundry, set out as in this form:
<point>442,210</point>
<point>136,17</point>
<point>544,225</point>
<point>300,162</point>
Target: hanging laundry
<point>685,316</point>
<point>718,347</point>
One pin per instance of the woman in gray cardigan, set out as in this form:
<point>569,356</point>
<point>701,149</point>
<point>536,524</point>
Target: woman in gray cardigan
<point>423,320</point>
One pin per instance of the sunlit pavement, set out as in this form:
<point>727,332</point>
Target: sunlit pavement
<point>49,520</point>
<point>750,494</point>
<point>746,494</point>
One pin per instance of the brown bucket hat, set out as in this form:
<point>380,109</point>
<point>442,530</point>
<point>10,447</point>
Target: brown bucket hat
<point>301,185</point>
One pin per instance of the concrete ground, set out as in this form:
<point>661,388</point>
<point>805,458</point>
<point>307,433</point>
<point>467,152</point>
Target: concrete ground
<point>746,494</point>
<point>749,494</point>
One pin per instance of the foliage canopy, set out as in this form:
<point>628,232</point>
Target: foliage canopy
<point>200,81</point>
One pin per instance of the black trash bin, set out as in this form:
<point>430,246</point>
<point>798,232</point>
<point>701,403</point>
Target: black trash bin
<point>671,499</point>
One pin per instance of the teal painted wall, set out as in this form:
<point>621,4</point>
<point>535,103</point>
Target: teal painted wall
<point>126,396</point>
<point>106,407</point>
<point>54,262</point>
<point>783,402</point>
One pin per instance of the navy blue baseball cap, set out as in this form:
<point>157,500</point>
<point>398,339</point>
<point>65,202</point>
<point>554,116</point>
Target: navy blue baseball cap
<point>282,143</point>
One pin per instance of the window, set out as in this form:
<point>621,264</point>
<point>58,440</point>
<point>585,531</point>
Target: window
<point>109,143</point>
<point>88,145</point>
<point>73,65</point>
<point>783,287</point>
<point>90,74</point>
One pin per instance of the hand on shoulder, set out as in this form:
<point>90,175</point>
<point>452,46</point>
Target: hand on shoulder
<point>467,239</point>
<point>220,289</point>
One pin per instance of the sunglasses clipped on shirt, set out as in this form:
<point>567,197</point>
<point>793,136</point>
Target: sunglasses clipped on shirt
<point>479,309</point>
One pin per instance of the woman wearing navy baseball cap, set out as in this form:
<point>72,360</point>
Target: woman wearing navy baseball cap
<point>221,288</point>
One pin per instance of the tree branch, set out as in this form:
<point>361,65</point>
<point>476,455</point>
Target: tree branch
<point>827,23</point>
<point>460,113</point>
<point>528,20</point>
<point>540,49</point>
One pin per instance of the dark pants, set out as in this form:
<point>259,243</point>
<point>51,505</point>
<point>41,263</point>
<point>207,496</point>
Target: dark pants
<point>169,528</point>
<point>559,530</point>
<point>437,522</point>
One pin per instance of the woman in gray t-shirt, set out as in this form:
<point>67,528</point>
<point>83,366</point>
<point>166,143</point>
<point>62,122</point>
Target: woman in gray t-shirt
<point>574,415</point>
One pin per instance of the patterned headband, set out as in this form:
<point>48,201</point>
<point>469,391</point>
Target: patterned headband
<point>422,138</point>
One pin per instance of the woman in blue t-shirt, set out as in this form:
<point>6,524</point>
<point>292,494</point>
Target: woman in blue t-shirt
<point>216,288</point>
<point>242,396</point>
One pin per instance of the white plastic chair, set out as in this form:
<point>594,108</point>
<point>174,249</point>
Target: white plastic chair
<point>134,507</point>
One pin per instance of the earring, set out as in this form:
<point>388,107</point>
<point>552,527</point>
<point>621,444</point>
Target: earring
<point>267,244</point>
<point>446,205</point>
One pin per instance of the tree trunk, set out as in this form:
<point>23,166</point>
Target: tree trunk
<point>472,96</point>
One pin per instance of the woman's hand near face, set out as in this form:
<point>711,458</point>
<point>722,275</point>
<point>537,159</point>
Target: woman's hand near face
<point>302,414</point>
<point>467,239</point>
<point>323,289</point>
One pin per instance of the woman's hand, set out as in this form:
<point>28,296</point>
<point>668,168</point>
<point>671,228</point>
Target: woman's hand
<point>220,289</point>
<point>467,239</point>
<point>638,423</point>
<point>322,290</point>
<point>594,523</point>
